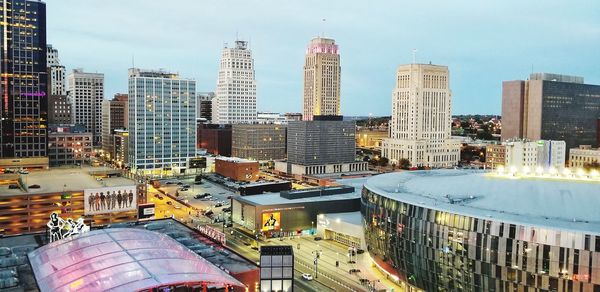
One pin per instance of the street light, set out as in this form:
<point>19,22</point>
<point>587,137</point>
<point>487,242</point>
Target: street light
<point>317,254</point>
<point>312,224</point>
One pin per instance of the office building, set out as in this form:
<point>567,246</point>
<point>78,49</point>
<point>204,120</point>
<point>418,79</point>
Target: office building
<point>325,145</point>
<point>162,122</point>
<point>483,232</point>
<point>214,138</point>
<point>270,118</point>
<point>522,155</point>
<point>120,154</point>
<point>277,268</point>
<point>86,94</point>
<point>23,74</point>
<point>204,105</point>
<point>551,107</point>
<point>322,73</point>
<point>56,73</point>
<point>69,145</point>
<point>293,117</point>
<point>495,155</point>
<point>235,98</point>
<point>583,157</point>
<point>59,110</point>
<point>261,142</point>
<point>421,118</point>
<point>114,116</point>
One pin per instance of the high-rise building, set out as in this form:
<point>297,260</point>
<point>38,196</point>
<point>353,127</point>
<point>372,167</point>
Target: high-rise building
<point>56,73</point>
<point>551,107</point>
<point>421,118</point>
<point>214,138</point>
<point>324,145</point>
<point>261,142</point>
<point>120,153</point>
<point>59,110</point>
<point>235,99</point>
<point>204,105</point>
<point>23,73</point>
<point>321,79</point>
<point>162,121</point>
<point>114,116</point>
<point>86,94</point>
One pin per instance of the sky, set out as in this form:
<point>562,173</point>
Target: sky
<point>482,42</point>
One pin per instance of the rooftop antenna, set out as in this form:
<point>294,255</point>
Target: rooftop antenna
<point>132,61</point>
<point>414,53</point>
<point>323,27</point>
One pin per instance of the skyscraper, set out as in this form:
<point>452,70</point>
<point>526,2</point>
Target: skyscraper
<point>321,79</point>
<point>551,107</point>
<point>162,121</point>
<point>114,116</point>
<point>56,73</point>
<point>421,118</point>
<point>235,100</point>
<point>23,74</point>
<point>86,93</point>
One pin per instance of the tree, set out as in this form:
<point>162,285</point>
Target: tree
<point>594,165</point>
<point>383,161</point>
<point>404,163</point>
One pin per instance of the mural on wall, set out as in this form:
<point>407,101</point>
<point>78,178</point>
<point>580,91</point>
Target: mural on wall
<point>59,228</point>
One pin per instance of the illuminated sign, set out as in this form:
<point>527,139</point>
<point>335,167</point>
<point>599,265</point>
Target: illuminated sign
<point>110,200</point>
<point>197,162</point>
<point>271,221</point>
<point>59,228</point>
<point>34,94</point>
<point>212,233</point>
<point>146,211</point>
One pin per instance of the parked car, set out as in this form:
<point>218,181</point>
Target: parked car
<point>187,186</point>
<point>158,196</point>
<point>228,209</point>
<point>352,271</point>
<point>170,183</point>
<point>218,205</point>
<point>360,251</point>
<point>185,189</point>
<point>8,170</point>
<point>179,183</point>
<point>208,213</point>
<point>13,186</point>
<point>23,171</point>
<point>317,238</point>
<point>307,277</point>
<point>169,203</point>
<point>34,186</point>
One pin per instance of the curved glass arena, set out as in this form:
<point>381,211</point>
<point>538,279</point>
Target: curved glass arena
<point>457,230</point>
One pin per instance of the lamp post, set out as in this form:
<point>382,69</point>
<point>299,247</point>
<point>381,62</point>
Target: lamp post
<point>317,254</point>
<point>312,224</point>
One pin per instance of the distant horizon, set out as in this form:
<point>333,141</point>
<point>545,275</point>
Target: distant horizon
<point>483,44</point>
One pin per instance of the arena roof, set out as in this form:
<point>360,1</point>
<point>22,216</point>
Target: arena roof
<point>552,203</point>
<point>121,259</point>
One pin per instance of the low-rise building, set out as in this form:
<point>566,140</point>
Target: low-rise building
<point>584,156</point>
<point>261,142</point>
<point>522,154</point>
<point>495,155</point>
<point>237,169</point>
<point>370,138</point>
<point>69,144</point>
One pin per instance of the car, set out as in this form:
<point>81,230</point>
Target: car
<point>208,213</point>
<point>23,171</point>
<point>229,197</point>
<point>206,194</point>
<point>185,189</point>
<point>352,271</point>
<point>170,203</point>
<point>177,207</point>
<point>13,186</point>
<point>158,196</point>
<point>360,251</point>
<point>228,209</point>
<point>198,183</point>
<point>229,224</point>
<point>186,186</point>
<point>198,196</point>
<point>317,238</point>
<point>218,205</point>
<point>8,170</point>
<point>179,183</point>
<point>34,186</point>
<point>170,183</point>
<point>307,277</point>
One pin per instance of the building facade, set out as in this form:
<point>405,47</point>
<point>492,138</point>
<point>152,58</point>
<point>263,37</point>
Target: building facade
<point>524,155</point>
<point>235,98</point>
<point>426,233</point>
<point>120,154</point>
<point>114,116</point>
<point>56,73</point>
<point>322,76</point>
<point>420,127</point>
<point>162,121</point>
<point>261,142</point>
<point>23,73</point>
<point>69,145</point>
<point>584,156</point>
<point>495,155</point>
<point>215,139</point>
<point>86,94</point>
<point>551,107</point>
<point>237,169</point>
<point>204,105</point>
<point>59,110</point>
<point>321,146</point>
<point>370,138</point>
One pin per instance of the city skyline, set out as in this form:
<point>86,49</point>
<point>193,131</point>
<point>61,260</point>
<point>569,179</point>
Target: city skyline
<point>499,48</point>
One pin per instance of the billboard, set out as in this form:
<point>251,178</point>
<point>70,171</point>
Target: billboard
<point>110,200</point>
<point>146,211</point>
<point>271,221</point>
<point>197,162</point>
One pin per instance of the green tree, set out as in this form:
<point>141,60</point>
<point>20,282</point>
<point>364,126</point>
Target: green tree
<point>404,163</point>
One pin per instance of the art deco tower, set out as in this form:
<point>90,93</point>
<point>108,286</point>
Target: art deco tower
<point>321,79</point>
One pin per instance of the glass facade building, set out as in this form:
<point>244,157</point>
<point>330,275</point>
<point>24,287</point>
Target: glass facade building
<point>24,104</point>
<point>162,121</point>
<point>419,240</point>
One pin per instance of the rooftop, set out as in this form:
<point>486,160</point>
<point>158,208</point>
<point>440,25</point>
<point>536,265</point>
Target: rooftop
<point>276,199</point>
<point>235,159</point>
<point>64,179</point>
<point>553,203</point>
<point>123,259</point>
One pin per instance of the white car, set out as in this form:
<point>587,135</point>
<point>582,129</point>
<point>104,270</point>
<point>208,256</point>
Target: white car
<point>307,277</point>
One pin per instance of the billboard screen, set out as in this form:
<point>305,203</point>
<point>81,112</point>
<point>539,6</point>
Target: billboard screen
<point>146,211</point>
<point>110,200</point>
<point>271,221</point>
<point>197,162</point>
